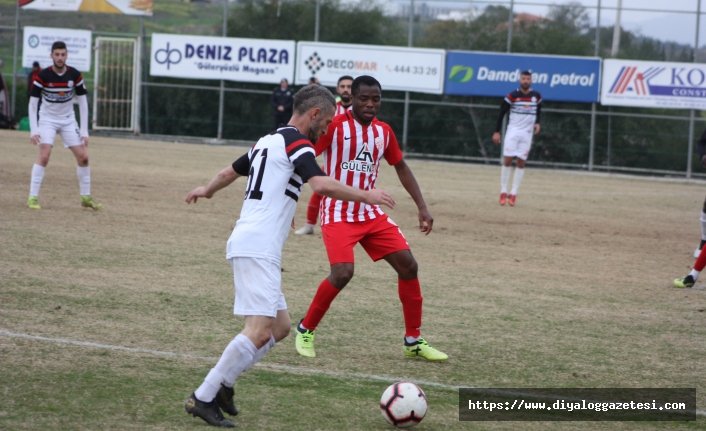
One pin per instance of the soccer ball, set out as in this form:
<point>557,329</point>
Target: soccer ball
<point>403,405</point>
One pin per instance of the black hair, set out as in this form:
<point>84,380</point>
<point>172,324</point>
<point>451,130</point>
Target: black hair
<point>365,80</point>
<point>526,72</point>
<point>58,45</point>
<point>342,78</point>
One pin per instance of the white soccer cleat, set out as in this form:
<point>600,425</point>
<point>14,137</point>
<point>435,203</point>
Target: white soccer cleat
<point>306,230</point>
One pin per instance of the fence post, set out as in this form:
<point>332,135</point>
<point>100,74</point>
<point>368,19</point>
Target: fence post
<point>691,144</point>
<point>510,21</point>
<point>317,21</point>
<point>690,155</point>
<point>14,59</point>
<point>596,52</point>
<point>222,89</point>
<point>405,119</point>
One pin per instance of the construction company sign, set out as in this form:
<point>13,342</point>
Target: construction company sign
<point>397,68</point>
<point>559,78</point>
<point>233,59</point>
<point>653,84</point>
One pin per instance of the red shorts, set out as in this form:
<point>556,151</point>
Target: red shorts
<point>379,237</point>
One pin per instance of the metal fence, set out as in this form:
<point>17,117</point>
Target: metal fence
<point>604,139</point>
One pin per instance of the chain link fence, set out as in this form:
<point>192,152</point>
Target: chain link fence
<point>579,136</point>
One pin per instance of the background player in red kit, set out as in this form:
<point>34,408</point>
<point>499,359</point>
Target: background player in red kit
<point>352,148</point>
<point>343,89</point>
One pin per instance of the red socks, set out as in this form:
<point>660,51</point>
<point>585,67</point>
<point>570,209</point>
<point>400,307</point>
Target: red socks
<point>701,260</point>
<point>312,211</point>
<point>411,296</point>
<point>325,295</point>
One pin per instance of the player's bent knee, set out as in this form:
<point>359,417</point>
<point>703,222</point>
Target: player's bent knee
<point>409,270</point>
<point>341,276</point>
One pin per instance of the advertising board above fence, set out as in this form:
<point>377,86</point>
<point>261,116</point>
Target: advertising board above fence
<point>654,84</point>
<point>397,68</point>
<point>37,43</point>
<point>126,7</point>
<point>232,59</point>
<point>558,78</point>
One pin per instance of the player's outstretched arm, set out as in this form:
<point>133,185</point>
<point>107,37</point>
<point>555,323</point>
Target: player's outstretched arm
<point>332,188</point>
<point>409,182</point>
<point>223,179</point>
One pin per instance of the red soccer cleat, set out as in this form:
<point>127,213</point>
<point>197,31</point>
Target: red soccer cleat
<point>503,198</point>
<point>512,200</point>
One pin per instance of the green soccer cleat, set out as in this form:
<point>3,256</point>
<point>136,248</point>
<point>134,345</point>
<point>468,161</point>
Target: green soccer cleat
<point>305,343</point>
<point>422,349</point>
<point>88,202</point>
<point>685,282</point>
<point>33,203</point>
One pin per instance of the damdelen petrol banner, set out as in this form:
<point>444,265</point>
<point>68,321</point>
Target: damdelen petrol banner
<point>556,78</point>
<point>654,84</point>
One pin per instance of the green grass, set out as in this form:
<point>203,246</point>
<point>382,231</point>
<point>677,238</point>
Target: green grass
<point>570,288</point>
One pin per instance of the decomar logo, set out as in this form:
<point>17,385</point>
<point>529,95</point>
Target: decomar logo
<point>460,73</point>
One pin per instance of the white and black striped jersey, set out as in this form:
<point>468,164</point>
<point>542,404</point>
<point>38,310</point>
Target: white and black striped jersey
<point>525,110</point>
<point>57,92</point>
<point>276,167</point>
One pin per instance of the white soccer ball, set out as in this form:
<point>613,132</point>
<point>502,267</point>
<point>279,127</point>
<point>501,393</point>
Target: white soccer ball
<point>403,405</point>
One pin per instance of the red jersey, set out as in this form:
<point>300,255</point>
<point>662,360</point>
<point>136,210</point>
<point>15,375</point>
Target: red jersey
<point>340,109</point>
<point>352,154</point>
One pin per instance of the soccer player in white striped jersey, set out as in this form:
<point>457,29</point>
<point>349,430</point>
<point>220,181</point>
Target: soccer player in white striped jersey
<point>353,148</point>
<point>276,167</point>
<point>56,86</point>
<point>343,88</point>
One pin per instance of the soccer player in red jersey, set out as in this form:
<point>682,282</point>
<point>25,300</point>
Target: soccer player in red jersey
<point>343,88</point>
<point>353,148</point>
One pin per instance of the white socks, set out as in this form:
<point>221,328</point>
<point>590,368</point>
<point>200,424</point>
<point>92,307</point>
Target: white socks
<point>84,180</point>
<point>703,223</point>
<point>83,174</point>
<point>411,340</point>
<point>517,179</point>
<point>37,177</point>
<point>694,273</point>
<point>238,357</point>
<point>504,177</point>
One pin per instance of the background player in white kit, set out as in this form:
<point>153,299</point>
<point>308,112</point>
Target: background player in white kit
<point>57,85</point>
<point>277,167</point>
<point>524,106</point>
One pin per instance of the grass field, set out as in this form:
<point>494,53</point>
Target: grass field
<point>570,288</point>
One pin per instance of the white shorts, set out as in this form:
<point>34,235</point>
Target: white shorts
<point>258,287</point>
<point>517,144</point>
<point>68,131</point>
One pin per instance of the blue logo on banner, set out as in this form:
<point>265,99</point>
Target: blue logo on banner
<point>566,79</point>
<point>168,56</point>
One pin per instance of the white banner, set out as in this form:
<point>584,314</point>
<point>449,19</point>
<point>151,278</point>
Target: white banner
<point>233,59</point>
<point>127,7</point>
<point>397,68</point>
<point>37,43</point>
<point>653,84</point>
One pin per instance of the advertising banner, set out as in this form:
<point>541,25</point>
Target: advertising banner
<point>397,68</point>
<point>125,7</point>
<point>232,59</point>
<point>556,78</point>
<point>37,42</point>
<point>654,84</point>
